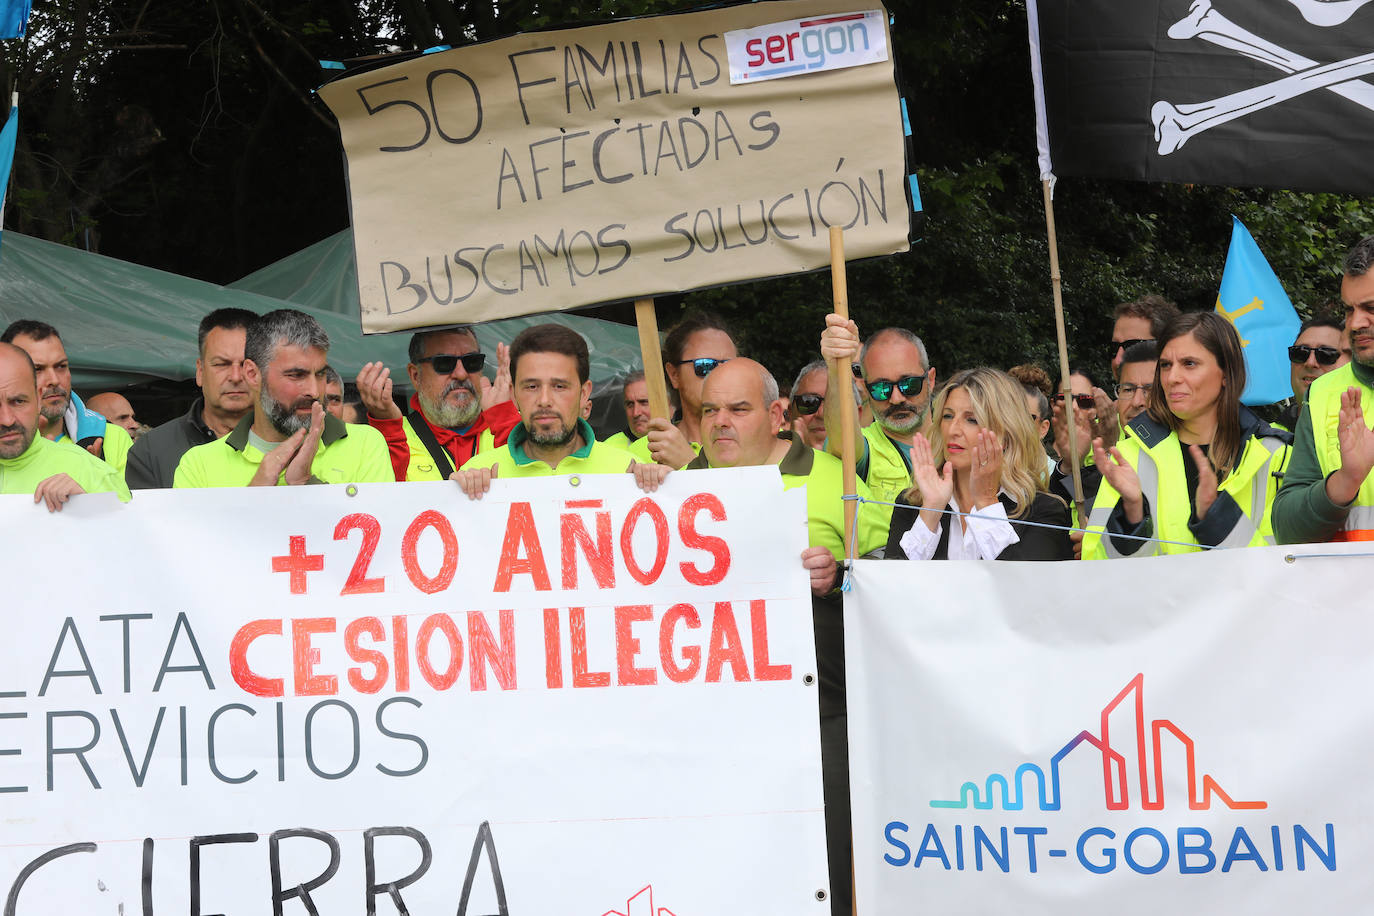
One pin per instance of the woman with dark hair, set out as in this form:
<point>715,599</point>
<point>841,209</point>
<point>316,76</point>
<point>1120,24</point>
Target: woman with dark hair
<point>984,462</point>
<point>1197,468</point>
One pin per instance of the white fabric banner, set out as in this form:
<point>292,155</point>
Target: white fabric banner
<point>567,698</point>
<point>1184,734</point>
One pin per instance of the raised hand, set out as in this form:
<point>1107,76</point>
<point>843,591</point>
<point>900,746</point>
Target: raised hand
<point>937,488</point>
<point>298,468</point>
<point>1206,482</point>
<point>374,387</point>
<point>840,339</point>
<point>1357,450</point>
<point>1082,429</point>
<point>985,473</point>
<point>274,462</point>
<point>1105,423</point>
<point>503,389</point>
<point>668,446</point>
<point>1118,472</point>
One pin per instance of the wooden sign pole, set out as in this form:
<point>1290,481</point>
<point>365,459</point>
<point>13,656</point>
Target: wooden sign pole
<point>651,353</point>
<point>848,417</point>
<point>1075,467</point>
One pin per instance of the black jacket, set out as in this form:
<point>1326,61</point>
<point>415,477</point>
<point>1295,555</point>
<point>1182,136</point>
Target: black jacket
<point>1035,543</point>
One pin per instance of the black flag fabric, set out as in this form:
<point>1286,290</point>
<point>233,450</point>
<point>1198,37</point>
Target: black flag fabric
<point>1268,93</point>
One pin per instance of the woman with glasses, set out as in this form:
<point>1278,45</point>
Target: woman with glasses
<point>1197,468</point>
<point>981,471</point>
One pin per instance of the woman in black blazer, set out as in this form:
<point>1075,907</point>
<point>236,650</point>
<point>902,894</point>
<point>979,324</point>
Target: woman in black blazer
<point>982,459</point>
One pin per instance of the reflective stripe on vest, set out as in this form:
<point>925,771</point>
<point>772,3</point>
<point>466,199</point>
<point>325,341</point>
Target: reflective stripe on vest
<point>1324,409</point>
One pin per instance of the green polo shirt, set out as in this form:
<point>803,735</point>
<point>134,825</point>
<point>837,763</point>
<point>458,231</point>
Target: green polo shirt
<point>823,476</point>
<point>347,454</point>
<point>45,458</point>
<point>593,457</point>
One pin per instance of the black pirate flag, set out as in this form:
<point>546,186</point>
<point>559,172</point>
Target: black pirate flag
<point>1271,93</point>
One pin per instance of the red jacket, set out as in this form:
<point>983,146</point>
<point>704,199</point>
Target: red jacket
<point>500,419</point>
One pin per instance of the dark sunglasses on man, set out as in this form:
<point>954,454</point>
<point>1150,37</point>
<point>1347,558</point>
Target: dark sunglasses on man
<point>1127,344</point>
<point>1084,401</point>
<point>881,390</point>
<point>702,366</point>
<point>1326,356</point>
<point>445,363</point>
<point>804,405</point>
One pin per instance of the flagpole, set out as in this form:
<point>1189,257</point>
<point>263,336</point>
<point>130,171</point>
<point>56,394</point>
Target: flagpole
<point>1075,465</point>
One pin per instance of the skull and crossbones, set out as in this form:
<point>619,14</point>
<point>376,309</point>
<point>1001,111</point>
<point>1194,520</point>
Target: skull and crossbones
<point>1175,124</point>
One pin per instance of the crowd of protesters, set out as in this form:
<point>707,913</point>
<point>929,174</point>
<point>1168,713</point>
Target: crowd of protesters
<point>984,464</point>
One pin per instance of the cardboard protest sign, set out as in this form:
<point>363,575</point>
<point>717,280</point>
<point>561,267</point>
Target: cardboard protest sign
<point>568,697</point>
<point>562,168</point>
<point>1178,746</point>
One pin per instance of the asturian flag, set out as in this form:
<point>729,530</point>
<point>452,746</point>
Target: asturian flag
<point>1252,299</point>
<point>14,18</point>
<point>1269,93</point>
<point>8,135</point>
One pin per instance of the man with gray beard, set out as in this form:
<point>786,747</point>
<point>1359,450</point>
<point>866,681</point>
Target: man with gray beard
<point>288,438</point>
<point>455,412</point>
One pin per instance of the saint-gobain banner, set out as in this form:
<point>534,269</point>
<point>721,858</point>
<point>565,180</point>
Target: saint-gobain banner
<point>1187,734</point>
<point>567,698</point>
<point>655,155</point>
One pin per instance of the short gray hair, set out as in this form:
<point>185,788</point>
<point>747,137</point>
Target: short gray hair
<point>770,386</point>
<point>283,326</point>
<point>1360,258</point>
<point>332,377</point>
<point>820,365</point>
<point>902,333</point>
<point>635,376</point>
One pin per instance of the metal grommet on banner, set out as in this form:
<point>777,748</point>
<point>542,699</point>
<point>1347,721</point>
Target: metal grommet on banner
<point>820,893</point>
<point>575,480</point>
<point>1289,558</point>
<point>808,679</point>
<point>351,489</point>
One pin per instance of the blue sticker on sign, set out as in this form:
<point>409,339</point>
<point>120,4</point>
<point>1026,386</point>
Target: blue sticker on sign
<point>915,194</point>
<point>331,65</point>
<point>906,121</point>
<point>437,48</point>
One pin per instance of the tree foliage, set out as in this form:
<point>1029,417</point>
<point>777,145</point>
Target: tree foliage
<point>185,136</point>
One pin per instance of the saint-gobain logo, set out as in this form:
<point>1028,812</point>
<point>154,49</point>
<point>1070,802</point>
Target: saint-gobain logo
<point>1148,736</point>
<point>800,46</point>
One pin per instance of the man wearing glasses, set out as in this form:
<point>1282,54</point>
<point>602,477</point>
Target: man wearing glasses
<point>1138,322</point>
<point>897,379</point>
<point>455,411</point>
<point>1321,346</point>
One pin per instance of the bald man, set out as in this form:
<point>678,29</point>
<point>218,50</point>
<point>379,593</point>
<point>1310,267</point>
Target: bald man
<point>740,415</point>
<point>29,463</point>
<point>116,408</point>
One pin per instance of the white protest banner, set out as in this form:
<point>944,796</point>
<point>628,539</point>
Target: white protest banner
<point>618,161</point>
<point>567,698</point>
<point>1185,734</point>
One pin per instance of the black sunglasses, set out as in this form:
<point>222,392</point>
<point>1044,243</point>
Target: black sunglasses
<point>1326,356</point>
<point>445,363</point>
<point>881,390</point>
<point>1127,344</point>
<point>804,405</point>
<point>703,365</point>
<point>1084,401</point>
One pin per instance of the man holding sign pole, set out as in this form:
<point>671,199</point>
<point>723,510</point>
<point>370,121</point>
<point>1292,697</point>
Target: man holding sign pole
<point>741,414</point>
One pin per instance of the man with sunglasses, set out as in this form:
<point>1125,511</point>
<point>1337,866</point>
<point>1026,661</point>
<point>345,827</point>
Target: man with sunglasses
<point>1328,490</point>
<point>897,379</point>
<point>1321,346</point>
<point>455,411</point>
<point>1137,322</point>
<point>694,347</point>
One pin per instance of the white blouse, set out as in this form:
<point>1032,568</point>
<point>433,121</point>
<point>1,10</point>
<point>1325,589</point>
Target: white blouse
<point>981,538</point>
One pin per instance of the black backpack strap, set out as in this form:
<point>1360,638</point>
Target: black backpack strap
<point>441,457</point>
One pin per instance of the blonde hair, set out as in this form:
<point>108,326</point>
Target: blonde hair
<point>999,403</point>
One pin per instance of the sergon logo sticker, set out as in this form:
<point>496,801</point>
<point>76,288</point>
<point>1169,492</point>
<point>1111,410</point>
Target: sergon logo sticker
<point>799,46</point>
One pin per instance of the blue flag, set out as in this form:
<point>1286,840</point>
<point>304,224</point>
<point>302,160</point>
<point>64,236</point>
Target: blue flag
<point>14,17</point>
<point>8,135</point>
<point>1256,305</point>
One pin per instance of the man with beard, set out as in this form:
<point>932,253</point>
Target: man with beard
<point>1328,491</point>
<point>552,374</point>
<point>897,379</point>
<point>224,401</point>
<point>61,414</point>
<point>455,412</point>
<point>52,471</point>
<point>288,437</point>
